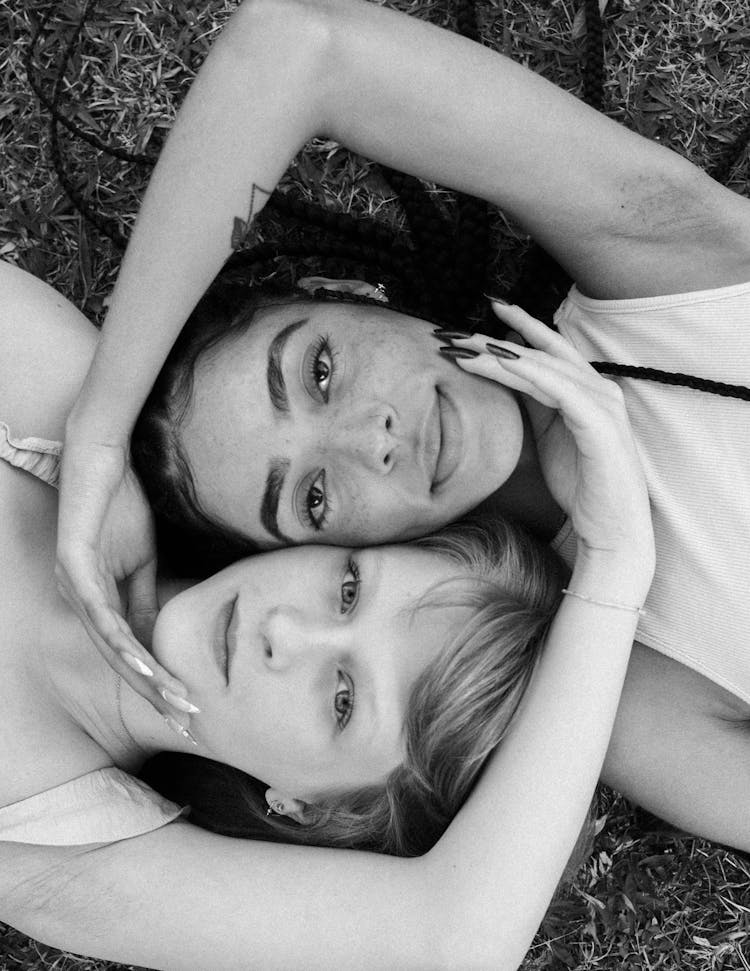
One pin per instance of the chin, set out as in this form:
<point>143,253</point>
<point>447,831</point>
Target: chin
<point>166,635</point>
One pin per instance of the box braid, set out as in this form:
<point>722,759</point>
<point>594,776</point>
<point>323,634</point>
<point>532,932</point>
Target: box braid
<point>441,276</point>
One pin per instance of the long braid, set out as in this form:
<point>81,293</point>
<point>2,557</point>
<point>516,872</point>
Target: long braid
<point>674,378</point>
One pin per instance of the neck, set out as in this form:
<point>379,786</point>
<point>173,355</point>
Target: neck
<point>525,497</point>
<point>94,696</point>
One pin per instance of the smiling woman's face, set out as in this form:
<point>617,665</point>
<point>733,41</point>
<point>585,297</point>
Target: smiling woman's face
<point>302,660</point>
<point>341,423</point>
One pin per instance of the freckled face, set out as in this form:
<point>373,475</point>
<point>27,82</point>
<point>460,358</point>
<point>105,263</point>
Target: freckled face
<point>302,660</point>
<point>344,425</point>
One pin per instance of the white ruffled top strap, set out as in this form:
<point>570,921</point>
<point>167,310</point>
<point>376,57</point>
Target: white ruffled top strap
<point>102,806</point>
<point>38,456</point>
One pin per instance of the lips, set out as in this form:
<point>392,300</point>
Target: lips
<point>231,638</point>
<point>449,450</point>
<point>221,638</point>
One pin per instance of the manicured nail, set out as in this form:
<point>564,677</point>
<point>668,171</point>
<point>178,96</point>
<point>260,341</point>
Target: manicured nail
<point>452,335</point>
<point>136,664</point>
<point>494,299</point>
<point>180,729</point>
<point>458,353</point>
<point>502,352</point>
<point>181,704</point>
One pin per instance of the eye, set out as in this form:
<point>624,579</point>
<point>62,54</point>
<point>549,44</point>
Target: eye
<point>350,587</point>
<point>316,502</point>
<point>320,368</point>
<point>343,703</point>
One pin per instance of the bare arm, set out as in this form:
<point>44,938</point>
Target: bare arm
<point>625,216</point>
<point>681,749</point>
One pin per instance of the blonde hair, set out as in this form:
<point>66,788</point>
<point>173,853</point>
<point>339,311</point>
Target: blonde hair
<point>460,708</point>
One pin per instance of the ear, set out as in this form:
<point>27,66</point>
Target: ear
<point>284,805</point>
<point>360,287</point>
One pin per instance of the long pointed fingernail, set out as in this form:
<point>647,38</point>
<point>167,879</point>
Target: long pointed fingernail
<point>502,352</point>
<point>458,353</point>
<point>179,729</point>
<point>181,704</point>
<point>136,664</point>
<point>452,335</point>
<point>495,299</point>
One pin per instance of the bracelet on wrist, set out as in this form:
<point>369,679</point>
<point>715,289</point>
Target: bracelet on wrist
<point>615,604</point>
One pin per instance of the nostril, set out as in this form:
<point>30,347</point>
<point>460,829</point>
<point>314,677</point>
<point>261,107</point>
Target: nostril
<point>267,649</point>
<point>388,423</point>
<point>387,460</point>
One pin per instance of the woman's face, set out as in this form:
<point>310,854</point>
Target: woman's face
<point>343,424</point>
<point>302,660</point>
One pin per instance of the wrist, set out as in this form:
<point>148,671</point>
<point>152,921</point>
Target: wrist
<point>623,578</point>
<point>101,415</point>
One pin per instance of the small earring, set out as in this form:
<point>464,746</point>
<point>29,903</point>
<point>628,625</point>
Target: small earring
<point>276,808</point>
<point>379,292</point>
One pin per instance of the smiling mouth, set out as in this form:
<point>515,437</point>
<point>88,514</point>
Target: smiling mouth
<point>449,438</point>
<point>223,642</point>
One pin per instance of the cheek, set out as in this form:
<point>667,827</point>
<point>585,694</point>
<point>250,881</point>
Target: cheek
<point>174,635</point>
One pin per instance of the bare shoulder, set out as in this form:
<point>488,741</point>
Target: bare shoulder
<point>46,346</point>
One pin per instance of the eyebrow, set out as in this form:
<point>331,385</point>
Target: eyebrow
<point>274,372</point>
<point>278,468</point>
<point>269,507</point>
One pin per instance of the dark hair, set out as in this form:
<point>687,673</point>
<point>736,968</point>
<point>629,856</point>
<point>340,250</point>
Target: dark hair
<point>459,709</point>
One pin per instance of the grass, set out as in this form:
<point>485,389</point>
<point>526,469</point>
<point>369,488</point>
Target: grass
<point>676,70</point>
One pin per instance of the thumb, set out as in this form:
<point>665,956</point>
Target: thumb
<point>143,605</point>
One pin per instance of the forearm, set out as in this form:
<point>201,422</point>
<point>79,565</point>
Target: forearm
<point>514,836</point>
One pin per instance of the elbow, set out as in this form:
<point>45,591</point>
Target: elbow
<point>301,28</point>
<point>287,44</point>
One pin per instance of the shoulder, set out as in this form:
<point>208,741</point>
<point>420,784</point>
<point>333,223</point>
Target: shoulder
<point>46,346</point>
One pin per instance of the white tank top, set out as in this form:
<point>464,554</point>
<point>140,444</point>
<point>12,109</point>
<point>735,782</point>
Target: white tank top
<point>696,452</point>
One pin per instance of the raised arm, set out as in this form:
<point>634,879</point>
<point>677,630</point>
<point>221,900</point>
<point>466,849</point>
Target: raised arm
<point>605,201</point>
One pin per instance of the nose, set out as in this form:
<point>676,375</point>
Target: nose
<point>370,440</point>
<point>288,637</point>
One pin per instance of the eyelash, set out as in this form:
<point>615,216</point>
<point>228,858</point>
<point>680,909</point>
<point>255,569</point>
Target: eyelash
<point>343,717</point>
<point>353,568</point>
<point>320,522</point>
<point>322,344</point>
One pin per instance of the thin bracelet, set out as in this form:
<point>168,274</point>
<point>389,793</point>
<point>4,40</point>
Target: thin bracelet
<point>605,603</point>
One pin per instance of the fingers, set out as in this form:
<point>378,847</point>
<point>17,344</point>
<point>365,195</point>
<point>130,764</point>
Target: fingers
<point>545,346</point>
<point>94,603</point>
<point>177,720</point>
<point>143,605</point>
